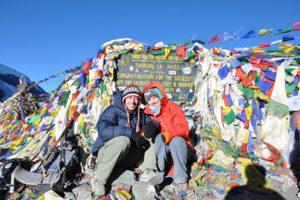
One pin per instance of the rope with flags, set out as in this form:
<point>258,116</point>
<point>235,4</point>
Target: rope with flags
<point>252,33</point>
<point>285,48</point>
<point>72,70</point>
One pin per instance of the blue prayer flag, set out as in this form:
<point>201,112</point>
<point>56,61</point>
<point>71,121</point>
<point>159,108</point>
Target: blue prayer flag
<point>248,34</point>
<point>223,72</point>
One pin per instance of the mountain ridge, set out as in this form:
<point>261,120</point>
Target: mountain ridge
<point>9,80</point>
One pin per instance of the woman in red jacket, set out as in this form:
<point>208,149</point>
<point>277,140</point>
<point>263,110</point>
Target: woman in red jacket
<point>174,134</point>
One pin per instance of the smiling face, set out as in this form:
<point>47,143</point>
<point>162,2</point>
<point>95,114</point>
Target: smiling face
<point>131,102</point>
<point>154,105</point>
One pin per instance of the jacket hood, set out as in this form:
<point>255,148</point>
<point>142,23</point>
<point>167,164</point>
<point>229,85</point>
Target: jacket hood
<point>117,97</point>
<point>157,85</point>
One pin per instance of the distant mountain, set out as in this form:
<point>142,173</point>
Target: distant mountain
<point>9,79</point>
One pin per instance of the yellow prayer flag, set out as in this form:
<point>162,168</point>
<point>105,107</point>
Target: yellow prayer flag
<point>248,112</point>
<point>167,53</point>
<point>258,50</point>
<point>262,32</point>
<point>226,110</point>
<point>285,45</point>
<point>246,138</point>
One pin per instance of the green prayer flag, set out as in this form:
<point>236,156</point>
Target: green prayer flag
<point>289,71</point>
<point>82,129</point>
<point>297,60</point>
<point>290,88</point>
<point>244,61</point>
<point>191,54</point>
<point>230,117</point>
<point>187,43</point>
<point>249,92</point>
<point>175,43</point>
<point>76,83</point>
<point>256,79</point>
<point>241,87</point>
<point>199,41</point>
<point>102,87</point>
<point>277,109</point>
<point>275,51</point>
<point>64,98</point>
<point>157,52</point>
<point>247,104</point>
<point>283,31</point>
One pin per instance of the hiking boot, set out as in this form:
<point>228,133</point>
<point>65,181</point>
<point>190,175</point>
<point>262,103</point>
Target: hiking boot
<point>98,188</point>
<point>151,176</point>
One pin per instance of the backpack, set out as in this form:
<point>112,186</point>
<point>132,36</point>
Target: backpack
<point>57,172</point>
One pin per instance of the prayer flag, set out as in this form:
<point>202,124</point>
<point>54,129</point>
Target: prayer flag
<point>296,26</point>
<point>229,36</point>
<point>248,34</point>
<point>216,38</point>
<point>262,32</point>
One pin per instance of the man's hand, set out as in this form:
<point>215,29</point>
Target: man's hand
<point>150,130</point>
<point>140,142</point>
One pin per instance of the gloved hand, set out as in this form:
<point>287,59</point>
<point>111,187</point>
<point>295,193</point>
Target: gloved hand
<point>150,130</point>
<point>166,137</point>
<point>91,161</point>
<point>140,141</point>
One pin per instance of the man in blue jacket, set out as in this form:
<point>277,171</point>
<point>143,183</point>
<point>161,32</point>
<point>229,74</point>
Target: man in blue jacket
<point>118,126</point>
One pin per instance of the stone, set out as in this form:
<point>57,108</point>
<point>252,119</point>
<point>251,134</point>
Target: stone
<point>144,191</point>
<point>82,192</point>
<point>127,177</point>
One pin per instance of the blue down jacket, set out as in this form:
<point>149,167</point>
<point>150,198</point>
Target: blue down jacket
<point>113,120</point>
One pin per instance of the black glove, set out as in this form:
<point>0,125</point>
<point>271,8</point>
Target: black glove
<point>150,130</point>
<point>140,142</point>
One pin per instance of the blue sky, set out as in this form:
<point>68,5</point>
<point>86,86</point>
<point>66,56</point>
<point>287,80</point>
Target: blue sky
<point>40,38</point>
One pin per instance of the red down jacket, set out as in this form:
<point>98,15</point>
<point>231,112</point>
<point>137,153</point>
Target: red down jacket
<point>171,118</point>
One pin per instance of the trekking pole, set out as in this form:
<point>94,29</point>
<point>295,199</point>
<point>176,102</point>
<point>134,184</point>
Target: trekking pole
<point>55,144</point>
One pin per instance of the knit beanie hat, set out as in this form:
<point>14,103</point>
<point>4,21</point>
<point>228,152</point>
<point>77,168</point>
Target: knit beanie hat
<point>131,90</point>
<point>152,92</point>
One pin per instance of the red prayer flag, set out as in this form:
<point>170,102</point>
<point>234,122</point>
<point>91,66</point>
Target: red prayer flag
<point>268,80</point>
<point>246,124</point>
<point>251,76</point>
<point>296,26</point>
<point>246,82</point>
<point>264,44</point>
<point>215,51</point>
<point>269,93</point>
<point>181,51</point>
<point>254,60</point>
<point>217,38</point>
<point>234,52</point>
<point>244,148</point>
<point>239,73</point>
